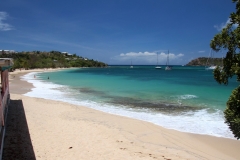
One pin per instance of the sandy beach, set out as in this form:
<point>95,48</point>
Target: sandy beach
<point>45,129</point>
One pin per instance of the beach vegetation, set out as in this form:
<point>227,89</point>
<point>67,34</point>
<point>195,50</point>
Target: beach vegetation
<point>52,59</point>
<point>229,40</point>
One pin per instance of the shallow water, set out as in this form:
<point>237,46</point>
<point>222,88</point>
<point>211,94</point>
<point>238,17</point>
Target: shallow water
<point>186,98</point>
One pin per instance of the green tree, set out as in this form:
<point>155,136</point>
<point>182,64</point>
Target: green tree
<point>52,59</point>
<point>229,39</point>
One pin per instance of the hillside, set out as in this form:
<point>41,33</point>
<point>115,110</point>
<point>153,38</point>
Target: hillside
<point>52,59</point>
<point>203,61</point>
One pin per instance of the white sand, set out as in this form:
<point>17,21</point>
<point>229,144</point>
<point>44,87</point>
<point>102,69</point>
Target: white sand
<point>60,130</point>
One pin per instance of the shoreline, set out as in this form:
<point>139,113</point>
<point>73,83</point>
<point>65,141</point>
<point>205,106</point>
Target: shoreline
<point>18,86</point>
<point>132,138</point>
<point>188,122</point>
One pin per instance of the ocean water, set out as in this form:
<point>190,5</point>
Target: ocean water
<point>186,98</point>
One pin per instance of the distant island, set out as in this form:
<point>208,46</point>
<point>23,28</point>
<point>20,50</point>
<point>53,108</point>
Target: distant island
<point>203,61</point>
<point>52,59</point>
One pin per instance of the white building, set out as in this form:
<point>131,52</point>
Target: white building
<point>6,51</point>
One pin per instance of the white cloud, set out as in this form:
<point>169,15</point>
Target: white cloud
<point>147,57</point>
<point>201,51</point>
<point>4,26</point>
<point>135,54</point>
<point>224,25</point>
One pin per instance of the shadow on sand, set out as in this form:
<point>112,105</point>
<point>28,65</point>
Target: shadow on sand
<point>17,143</point>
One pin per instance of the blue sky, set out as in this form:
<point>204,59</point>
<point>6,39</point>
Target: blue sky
<point>115,31</point>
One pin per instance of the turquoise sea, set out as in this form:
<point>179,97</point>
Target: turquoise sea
<point>186,98</point>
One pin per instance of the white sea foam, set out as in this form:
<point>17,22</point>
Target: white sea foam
<point>187,96</point>
<point>200,122</point>
<point>43,89</point>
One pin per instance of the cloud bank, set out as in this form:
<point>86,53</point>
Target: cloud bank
<point>148,58</point>
<point>4,26</point>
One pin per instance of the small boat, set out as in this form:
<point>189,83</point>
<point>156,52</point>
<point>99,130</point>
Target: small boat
<point>158,67</point>
<point>167,68</point>
<point>131,65</point>
<point>210,66</point>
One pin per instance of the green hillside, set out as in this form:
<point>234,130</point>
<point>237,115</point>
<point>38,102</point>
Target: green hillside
<point>203,61</point>
<point>52,59</point>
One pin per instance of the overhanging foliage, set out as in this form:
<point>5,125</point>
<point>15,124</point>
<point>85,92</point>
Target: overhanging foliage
<point>229,41</point>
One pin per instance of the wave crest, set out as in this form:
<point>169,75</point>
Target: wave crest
<point>187,96</point>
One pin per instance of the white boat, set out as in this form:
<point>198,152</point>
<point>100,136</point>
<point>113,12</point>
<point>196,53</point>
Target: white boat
<point>131,65</point>
<point>167,68</point>
<point>211,67</point>
<point>158,67</point>
<point>209,64</point>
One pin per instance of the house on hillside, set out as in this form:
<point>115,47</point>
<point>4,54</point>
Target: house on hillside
<point>6,51</point>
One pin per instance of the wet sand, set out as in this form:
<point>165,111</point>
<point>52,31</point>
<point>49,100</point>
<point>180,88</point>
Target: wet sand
<point>56,130</point>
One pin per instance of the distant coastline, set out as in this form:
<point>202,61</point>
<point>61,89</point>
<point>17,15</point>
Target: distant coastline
<point>203,61</point>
